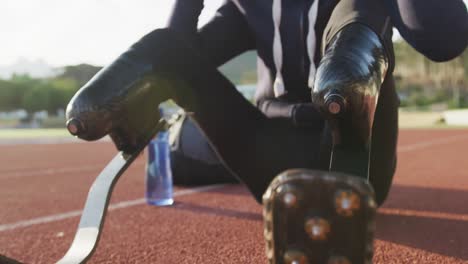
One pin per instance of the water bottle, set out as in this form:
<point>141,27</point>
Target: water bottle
<point>158,171</point>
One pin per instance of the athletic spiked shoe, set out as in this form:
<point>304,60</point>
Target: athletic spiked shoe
<point>6,260</point>
<point>318,217</point>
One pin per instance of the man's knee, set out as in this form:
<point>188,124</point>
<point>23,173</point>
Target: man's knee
<point>370,13</point>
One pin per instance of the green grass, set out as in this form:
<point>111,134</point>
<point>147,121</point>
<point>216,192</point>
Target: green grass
<point>424,120</point>
<point>434,127</point>
<point>33,133</point>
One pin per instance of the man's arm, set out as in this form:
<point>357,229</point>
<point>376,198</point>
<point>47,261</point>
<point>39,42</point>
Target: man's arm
<point>184,17</point>
<point>436,28</point>
<point>224,37</point>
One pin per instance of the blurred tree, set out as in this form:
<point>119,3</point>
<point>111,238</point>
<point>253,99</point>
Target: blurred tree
<point>61,91</point>
<point>419,82</point>
<point>241,69</point>
<point>438,82</point>
<point>81,73</point>
<point>9,96</point>
<point>13,90</point>
<point>36,99</point>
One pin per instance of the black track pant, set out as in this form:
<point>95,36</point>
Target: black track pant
<point>254,147</point>
<point>257,148</point>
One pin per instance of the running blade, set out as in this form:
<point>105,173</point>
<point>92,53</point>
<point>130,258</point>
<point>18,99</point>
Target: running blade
<point>92,220</point>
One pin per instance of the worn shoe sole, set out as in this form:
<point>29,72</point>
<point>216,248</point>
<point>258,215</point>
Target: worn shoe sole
<point>319,217</point>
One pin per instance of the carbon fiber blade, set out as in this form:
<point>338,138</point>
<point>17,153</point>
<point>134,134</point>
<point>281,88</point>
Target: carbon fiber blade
<point>92,220</point>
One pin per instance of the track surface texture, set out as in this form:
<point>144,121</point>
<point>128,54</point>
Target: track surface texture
<point>43,188</point>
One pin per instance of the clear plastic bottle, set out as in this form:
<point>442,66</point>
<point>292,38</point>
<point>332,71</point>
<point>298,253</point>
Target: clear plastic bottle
<point>159,189</point>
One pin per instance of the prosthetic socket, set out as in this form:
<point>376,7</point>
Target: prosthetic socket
<point>122,99</point>
<point>346,91</point>
<point>348,82</point>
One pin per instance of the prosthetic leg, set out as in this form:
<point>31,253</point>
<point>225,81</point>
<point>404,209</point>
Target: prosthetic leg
<point>328,217</point>
<point>120,101</point>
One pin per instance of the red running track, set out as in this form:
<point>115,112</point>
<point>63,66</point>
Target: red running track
<point>43,187</point>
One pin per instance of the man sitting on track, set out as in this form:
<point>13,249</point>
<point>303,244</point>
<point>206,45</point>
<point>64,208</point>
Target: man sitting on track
<point>338,51</point>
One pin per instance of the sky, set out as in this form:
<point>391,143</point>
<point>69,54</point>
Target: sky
<point>67,32</point>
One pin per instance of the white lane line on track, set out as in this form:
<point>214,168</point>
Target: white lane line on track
<point>48,141</point>
<point>16,174</point>
<point>28,173</point>
<point>125,204</point>
<point>425,214</point>
<point>114,206</point>
<point>402,149</point>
